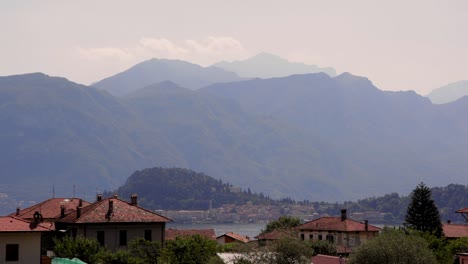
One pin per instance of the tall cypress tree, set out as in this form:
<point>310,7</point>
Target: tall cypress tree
<point>422,213</point>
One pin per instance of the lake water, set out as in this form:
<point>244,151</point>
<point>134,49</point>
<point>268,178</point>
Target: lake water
<point>250,230</point>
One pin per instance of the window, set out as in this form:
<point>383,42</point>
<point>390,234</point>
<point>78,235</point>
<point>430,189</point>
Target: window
<point>302,236</point>
<point>123,238</point>
<point>311,237</point>
<point>330,238</point>
<point>320,237</point>
<point>148,235</point>
<point>100,237</point>
<point>12,252</point>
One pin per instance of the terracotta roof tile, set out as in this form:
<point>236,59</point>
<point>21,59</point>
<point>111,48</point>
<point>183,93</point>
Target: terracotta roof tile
<point>123,212</point>
<point>276,234</point>
<point>15,224</point>
<point>324,259</point>
<point>171,234</point>
<point>50,209</point>
<point>336,224</point>
<point>237,237</point>
<point>464,210</point>
<point>455,231</point>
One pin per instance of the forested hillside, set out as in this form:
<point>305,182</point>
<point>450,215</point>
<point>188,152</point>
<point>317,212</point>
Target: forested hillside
<point>182,189</point>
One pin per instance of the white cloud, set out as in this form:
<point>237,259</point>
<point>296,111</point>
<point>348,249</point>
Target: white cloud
<point>162,45</point>
<point>105,53</point>
<point>206,51</point>
<point>215,45</point>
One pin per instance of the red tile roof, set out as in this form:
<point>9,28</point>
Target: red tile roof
<point>15,224</point>
<point>50,209</point>
<point>171,234</point>
<point>276,234</point>
<point>123,212</point>
<point>324,259</point>
<point>455,231</point>
<point>237,237</point>
<point>464,210</point>
<point>336,224</point>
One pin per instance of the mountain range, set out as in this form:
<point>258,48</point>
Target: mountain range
<point>306,136</point>
<point>266,65</point>
<point>449,93</point>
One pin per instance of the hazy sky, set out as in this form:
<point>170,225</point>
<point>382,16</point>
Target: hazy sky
<point>399,45</point>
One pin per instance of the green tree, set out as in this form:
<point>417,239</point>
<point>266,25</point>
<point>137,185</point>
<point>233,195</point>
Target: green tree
<point>323,247</point>
<point>394,247</point>
<point>87,250</point>
<point>145,251</point>
<point>291,250</point>
<point>283,223</point>
<point>422,213</point>
<point>189,250</point>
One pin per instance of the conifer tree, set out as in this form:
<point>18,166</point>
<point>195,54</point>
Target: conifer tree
<point>422,213</point>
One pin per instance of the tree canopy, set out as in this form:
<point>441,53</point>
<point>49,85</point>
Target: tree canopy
<point>422,213</point>
<point>394,247</point>
<point>283,223</point>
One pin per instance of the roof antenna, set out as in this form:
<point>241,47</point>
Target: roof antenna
<point>53,191</point>
<point>73,190</point>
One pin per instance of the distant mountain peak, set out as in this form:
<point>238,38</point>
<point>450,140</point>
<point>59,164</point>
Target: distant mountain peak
<point>184,74</point>
<point>267,65</point>
<point>449,93</point>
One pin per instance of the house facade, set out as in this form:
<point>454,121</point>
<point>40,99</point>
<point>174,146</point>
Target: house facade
<point>346,234</point>
<point>114,222</point>
<point>20,240</point>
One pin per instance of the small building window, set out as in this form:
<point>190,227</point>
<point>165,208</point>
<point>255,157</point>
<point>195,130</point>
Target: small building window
<point>73,232</point>
<point>123,238</point>
<point>100,237</point>
<point>311,237</point>
<point>320,237</point>
<point>12,252</point>
<point>148,235</point>
<point>302,236</point>
<point>330,238</point>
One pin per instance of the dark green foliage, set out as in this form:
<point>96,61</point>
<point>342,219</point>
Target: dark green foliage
<point>176,188</point>
<point>87,250</point>
<point>394,247</point>
<point>145,251</point>
<point>291,250</point>
<point>189,250</point>
<point>282,251</point>
<point>323,247</point>
<point>448,199</point>
<point>422,212</point>
<point>284,223</point>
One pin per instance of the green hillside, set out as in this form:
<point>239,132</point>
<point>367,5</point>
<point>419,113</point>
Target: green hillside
<point>182,189</point>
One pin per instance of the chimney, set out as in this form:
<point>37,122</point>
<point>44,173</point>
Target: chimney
<point>111,209</point>
<point>134,199</point>
<point>17,210</point>
<point>99,197</point>
<point>62,210</point>
<point>449,221</point>
<point>343,214</point>
<point>80,202</point>
<point>116,196</point>
<point>78,212</point>
<point>366,225</point>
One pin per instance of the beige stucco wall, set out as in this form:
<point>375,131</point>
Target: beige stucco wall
<point>112,233</point>
<point>348,239</point>
<point>29,246</point>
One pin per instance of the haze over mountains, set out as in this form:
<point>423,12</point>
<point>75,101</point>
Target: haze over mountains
<point>152,71</point>
<point>308,136</point>
<point>265,65</point>
<point>449,93</point>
